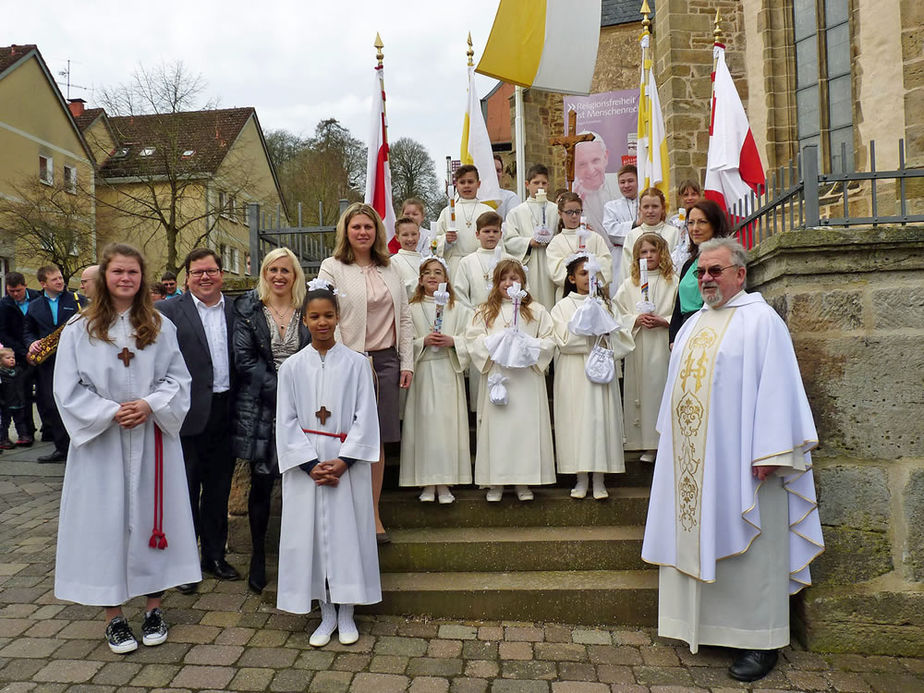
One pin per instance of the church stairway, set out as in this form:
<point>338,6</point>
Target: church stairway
<point>555,559</point>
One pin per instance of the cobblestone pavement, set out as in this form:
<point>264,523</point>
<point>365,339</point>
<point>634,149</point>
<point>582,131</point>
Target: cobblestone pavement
<point>224,638</point>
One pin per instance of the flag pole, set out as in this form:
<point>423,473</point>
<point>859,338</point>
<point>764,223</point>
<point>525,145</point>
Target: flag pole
<point>380,57</point>
<point>644,101</point>
<point>520,134</point>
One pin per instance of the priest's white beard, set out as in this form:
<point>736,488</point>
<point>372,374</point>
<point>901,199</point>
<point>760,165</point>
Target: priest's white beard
<point>715,299</point>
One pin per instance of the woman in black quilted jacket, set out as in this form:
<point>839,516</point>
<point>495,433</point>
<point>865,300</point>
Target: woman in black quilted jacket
<point>267,331</point>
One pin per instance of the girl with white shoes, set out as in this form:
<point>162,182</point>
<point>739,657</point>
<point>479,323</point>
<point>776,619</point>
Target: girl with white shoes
<point>435,449</point>
<point>510,342</point>
<point>588,411</point>
<point>327,438</point>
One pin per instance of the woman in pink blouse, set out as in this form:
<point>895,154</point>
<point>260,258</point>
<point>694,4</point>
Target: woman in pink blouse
<point>374,319</point>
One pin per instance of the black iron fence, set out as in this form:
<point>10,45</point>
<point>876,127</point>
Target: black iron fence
<point>311,244</point>
<point>798,196</point>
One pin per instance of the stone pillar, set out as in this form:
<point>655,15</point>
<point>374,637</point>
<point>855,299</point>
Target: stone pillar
<point>912,39</point>
<point>854,302</point>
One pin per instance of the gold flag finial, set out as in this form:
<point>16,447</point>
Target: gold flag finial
<point>717,31</point>
<point>645,12</point>
<point>379,55</point>
<point>471,51</point>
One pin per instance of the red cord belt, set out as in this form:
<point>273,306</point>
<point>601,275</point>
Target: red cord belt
<point>341,436</point>
<point>158,538</point>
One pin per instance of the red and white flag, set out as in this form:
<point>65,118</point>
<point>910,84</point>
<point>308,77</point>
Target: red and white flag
<point>733,167</point>
<point>378,170</point>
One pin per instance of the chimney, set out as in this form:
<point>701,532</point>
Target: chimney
<point>76,106</point>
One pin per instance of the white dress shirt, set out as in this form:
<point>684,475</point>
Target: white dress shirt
<point>216,334</point>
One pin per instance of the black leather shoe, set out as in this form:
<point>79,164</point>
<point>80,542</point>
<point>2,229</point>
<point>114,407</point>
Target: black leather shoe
<point>221,569</point>
<point>187,588</point>
<point>256,581</point>
<point>751,665</point>
<point>56,456</point>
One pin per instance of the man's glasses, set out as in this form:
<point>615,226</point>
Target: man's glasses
<point>210,272</point>
<point>711,271</point>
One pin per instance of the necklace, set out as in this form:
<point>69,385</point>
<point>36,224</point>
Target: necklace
<point>282,319</point>
<point>467,218</point>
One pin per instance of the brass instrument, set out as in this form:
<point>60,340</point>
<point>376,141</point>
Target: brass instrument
<point>48,346</point>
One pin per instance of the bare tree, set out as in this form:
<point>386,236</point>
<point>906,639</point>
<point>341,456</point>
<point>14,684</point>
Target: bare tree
<point>52,222</point>
<point>413,174</point>
<point>324,168</point>
<point>168,155</point>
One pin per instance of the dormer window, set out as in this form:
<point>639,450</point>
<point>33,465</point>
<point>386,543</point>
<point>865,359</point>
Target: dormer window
<point>188,153</point>
<point>120,153</point>
<point>147,151</point>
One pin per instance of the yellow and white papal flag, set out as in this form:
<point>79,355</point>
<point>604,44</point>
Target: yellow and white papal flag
<point>652,162</point>
<point>476,145</point>
<point>544,44</point>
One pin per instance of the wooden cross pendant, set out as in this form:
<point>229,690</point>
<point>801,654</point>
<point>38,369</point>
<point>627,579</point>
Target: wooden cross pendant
<point>569,142</point>
<point>125,356</point>
<point>323,414</point>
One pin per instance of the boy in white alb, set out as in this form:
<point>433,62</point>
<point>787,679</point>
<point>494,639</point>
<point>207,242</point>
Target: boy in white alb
<point>620,216</point>
<point>472,280</point>
<point>573,239</point>
<point>407,259</point>
<point>530,228</point>
<point>458,234</point>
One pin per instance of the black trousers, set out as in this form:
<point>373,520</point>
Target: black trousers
<point>20,418</point>
<point>209,468</point>
<point>45,399</point>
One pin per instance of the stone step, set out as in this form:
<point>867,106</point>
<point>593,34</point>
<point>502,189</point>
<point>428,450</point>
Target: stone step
<point>584,597</point>
<point>501,549</point>
<point>552,507</point>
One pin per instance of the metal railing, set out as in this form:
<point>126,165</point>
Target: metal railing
<point>311,244</point>
<point>798,196</point>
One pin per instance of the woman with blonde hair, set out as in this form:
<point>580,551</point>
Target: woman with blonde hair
<point>374,318</point>
<point>267,330</point>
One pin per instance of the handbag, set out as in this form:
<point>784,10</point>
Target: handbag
<point>600,366</point>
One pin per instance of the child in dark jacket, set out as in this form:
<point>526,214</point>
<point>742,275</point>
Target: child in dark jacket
<point>13,402</point>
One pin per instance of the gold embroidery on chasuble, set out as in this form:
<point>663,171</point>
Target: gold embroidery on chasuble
<point>690,405</point>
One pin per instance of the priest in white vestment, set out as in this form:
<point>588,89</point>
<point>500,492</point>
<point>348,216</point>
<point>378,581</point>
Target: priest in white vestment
<point>733,521</point>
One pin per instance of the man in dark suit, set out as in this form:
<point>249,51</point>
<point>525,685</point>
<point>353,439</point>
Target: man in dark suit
<point>204,325</point>
<point>52,309</point>
<point>12,315</point>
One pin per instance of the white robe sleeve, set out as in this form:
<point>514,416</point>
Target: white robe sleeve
<point>462,283</point>
<point>616,226</point>
<point>518,232</point>
<point>362,441</point>
<point>545,334</point>
<point>85,414</point>
<point>170,399</point>
<point>293,446</point>
<point>475,335</point>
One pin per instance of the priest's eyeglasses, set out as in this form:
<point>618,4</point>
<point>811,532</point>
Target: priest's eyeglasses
<point>209,272</point>
<point>712,271</point>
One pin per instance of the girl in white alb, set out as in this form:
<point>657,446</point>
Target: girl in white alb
<point>588,415</point>
<point>646,366</point>
<point>512,355</point>
<point>434,443</point>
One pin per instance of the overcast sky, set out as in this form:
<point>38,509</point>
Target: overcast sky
<point>296,62</point>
